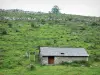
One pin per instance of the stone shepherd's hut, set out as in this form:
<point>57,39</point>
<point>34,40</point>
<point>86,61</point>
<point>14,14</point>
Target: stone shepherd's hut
<point>50,55</point>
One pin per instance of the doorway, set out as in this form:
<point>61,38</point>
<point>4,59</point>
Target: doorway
<point>51,60</point>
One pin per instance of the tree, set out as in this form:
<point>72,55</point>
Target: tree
<point>55,9</point>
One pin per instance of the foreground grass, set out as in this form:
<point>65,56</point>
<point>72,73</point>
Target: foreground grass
<point>53,70</point>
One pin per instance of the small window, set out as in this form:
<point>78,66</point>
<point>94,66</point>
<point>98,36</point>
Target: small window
<point>62,53</point>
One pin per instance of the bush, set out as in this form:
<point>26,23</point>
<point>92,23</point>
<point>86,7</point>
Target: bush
<point>19,62</point>
<point>34,25</point>
<point>31,67</point>
<point>77,63</point>
<point>3,31</point>
<point>9,65</point>
<point>17,30</point>
<point>95,24</point>
<point>65,63</point>
<point>97,58</point>
<point>10,25</point>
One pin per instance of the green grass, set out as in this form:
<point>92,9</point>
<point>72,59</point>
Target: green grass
<point>27,39</point>
<point>53,70</point>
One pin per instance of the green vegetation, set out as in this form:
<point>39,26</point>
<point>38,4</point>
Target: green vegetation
<point>55,10</point>
<point>23,32</point>
<point>77,63</point>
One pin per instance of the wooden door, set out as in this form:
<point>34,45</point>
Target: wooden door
<point>51,60</point>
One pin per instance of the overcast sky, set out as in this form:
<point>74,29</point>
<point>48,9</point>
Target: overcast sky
<point>79,7</point>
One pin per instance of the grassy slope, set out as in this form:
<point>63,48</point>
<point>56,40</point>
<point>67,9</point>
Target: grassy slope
<point>16,44</point>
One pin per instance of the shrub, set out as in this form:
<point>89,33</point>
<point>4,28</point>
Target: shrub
<point>82,28</point>
<point>8,65</point>
<point>95,24</point>
<point>34,25</point>
<point>19,62</point>
<point>31,67</point>
<point>97,58</point>
<point>10,25</point>
<point>65,63</point>
<point>3,31</point>
<point>17,30</point>
<point>85,63</point>
<point>77,63</point>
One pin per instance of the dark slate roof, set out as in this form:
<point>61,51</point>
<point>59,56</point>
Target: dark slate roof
<point>51,51</point>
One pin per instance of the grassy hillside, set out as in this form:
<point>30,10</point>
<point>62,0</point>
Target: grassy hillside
<point>26,32</point>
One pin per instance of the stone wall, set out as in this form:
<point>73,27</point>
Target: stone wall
<point>57,60</point>
<point>69,59</point>
<point>44,60</point>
